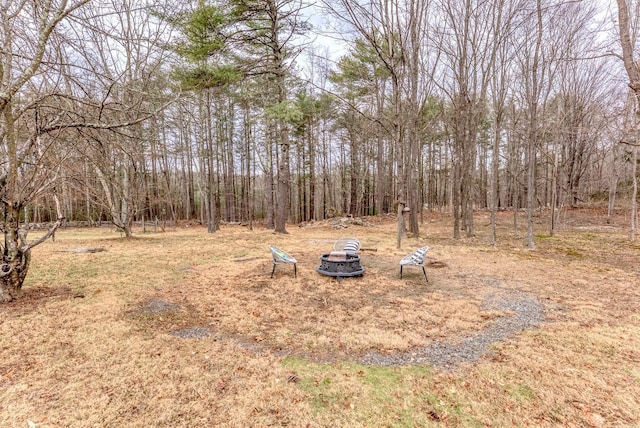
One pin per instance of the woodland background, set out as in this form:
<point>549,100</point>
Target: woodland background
<point>280,110</point>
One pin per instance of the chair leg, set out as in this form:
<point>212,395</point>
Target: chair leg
<point>295,270</point>
<point>400,271</point>
<point>273,270</point>
<point>425,274</point>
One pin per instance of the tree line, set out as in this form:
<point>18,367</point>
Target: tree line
<point>231,111</point>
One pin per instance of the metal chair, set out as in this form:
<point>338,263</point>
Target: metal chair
<point>415,259</point>
<point>280,257</point>
<point>348,245</point>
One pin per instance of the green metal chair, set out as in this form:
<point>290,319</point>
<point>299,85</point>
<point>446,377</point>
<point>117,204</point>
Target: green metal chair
<point>280,257</point>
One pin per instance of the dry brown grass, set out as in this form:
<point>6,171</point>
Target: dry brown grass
<point>93,341</point>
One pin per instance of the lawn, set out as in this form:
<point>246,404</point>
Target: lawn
<point>182,328</point>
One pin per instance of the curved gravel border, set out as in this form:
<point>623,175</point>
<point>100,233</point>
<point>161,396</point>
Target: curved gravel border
<point>197,332</point>
<point>444,354</point>
<point>447,354</point>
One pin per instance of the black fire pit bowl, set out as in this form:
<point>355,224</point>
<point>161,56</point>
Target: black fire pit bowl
<point>340,268</point>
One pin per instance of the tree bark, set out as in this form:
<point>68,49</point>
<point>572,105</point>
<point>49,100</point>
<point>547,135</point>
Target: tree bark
<point>633,71</point>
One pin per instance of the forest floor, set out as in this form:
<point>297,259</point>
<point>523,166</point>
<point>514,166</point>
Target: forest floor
<point>184,328</point>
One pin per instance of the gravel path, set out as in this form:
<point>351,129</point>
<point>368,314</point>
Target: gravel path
<point>527,312</point>
<point>447,354</point>
<point>192,333</point>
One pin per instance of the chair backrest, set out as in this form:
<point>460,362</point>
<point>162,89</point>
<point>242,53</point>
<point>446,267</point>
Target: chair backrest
<point>415,258</point>
<point>280,256</point>
<point>348,245</point>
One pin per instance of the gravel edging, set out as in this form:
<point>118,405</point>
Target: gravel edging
<point>447,354</point>
<point>192,333</point>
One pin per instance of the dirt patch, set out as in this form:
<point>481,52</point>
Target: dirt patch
<point>156,306</point>
<point>435,264</point>
<point>83,250</point>
<point>159,315</point>
<point>31,298</point>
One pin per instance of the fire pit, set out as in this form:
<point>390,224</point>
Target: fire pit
<point>340,264</point>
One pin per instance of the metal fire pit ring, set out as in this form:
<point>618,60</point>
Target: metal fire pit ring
<point>340,265</point>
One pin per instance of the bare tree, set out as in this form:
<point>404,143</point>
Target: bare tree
<point>469,37</point>
<point>632,66</point>
<point>502,23</point>
<point>29,39</point>
<point>122,58</point>
<point>266,38</point>
<point>48,108</point>
<point>395,32</point>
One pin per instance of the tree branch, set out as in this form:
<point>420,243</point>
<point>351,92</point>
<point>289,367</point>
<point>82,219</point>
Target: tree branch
<point>52,229</point>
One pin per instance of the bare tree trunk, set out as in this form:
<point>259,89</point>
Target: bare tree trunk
<point>276,50</point>
<point>16,251</point>
<point>401,195</point>
<point>380,151</point>
<point>208,154</point>
<point>500,26</point>
<point>613,188</point>
<point>312,172</point>
<point>417,20</point>
<point>269,188</point>
<point>247,186</point>
<point>634,191</point>
<point>284,180</point>
<point>555,179</point>
<point>531,190</point>
<point>166,174</point>
<point>554,194</point>
<point>495,171</point>
<point>633,72</point>
<point>455,201</point>
<point>533,129</point>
